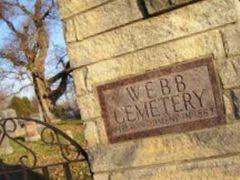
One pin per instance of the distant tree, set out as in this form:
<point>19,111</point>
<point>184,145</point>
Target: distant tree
<point>27,51</point>
<point>59,112</point>
<point>27,103</point>
<point>22,106</point>
<point>16,105</point>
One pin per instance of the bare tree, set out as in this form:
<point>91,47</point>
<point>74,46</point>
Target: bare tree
<point>25,54</point>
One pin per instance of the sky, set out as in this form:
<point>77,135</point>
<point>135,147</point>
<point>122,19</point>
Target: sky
<point>56,39</point>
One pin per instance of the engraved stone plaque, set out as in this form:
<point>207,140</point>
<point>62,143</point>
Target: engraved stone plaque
<point>172,99</point>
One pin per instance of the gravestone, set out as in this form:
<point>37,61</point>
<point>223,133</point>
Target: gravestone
<point>173,99</point>
<point>31,132</point>
<point>13,124</point>
<point>5,146</point>
<point>8,113</point>
<point>37,116</point>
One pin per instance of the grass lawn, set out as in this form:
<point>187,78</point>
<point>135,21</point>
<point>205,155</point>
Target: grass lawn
<point>49,154</point>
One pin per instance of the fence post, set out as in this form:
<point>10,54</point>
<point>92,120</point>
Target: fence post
<point>67,171</point>
<point>46,173</point>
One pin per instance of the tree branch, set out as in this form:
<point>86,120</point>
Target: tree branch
<point>12,58</point>
<point>19,90</point>
<point>57,93</point>
<point>12,27</point>
<point>24,9</point>
<point>21,7</point>
<point>48,11</point>
<point>65,72</point>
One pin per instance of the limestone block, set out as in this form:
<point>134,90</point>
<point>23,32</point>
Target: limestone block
<point>91,134</point>
<point>105,17</point>
<point>230,72</point>
<point>148,59</point>
<point>104,176</point>
<point>206,143</point>
<point>236,101</point>
<point>102,131</point>
<point>70,31</point>
<point>219,168</point>
<point>228,104</point>
<point>71,7</point>
<point>231,37</point>
<point>188,20</point>
<point>154,6</point>
<point>80,80</point>
<point>180,2</point>
<point>238,9</point>
<point>89,106</point>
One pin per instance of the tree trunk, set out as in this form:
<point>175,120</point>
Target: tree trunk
<point>45,102</point>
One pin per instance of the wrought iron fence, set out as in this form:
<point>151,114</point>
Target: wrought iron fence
<point>27,165</point>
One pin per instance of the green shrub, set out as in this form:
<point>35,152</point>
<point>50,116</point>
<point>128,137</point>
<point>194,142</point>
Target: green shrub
<point>22,106</point>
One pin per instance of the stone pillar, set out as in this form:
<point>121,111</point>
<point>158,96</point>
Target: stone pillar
<point>110,42</point>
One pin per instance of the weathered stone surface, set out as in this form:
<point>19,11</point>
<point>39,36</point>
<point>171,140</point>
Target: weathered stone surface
<point>72,7</point>
<point>206,143</point>
<point>180,2</point>
<point>236,101</point>
<point>89,106</point>
<point>101,176</point>
<point>81,80</point>
<point>148,59</point>
<point>230,72</point>
<point>154,6</point>
<point>102,131</point>
<point>70,31</point>
<point>179,23</point>
<point>238,10</point>
<point>91,134</point>
<point>105,17</point>
<point>231,38</point>
<point>228,104</point>
<point>220,168</point>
